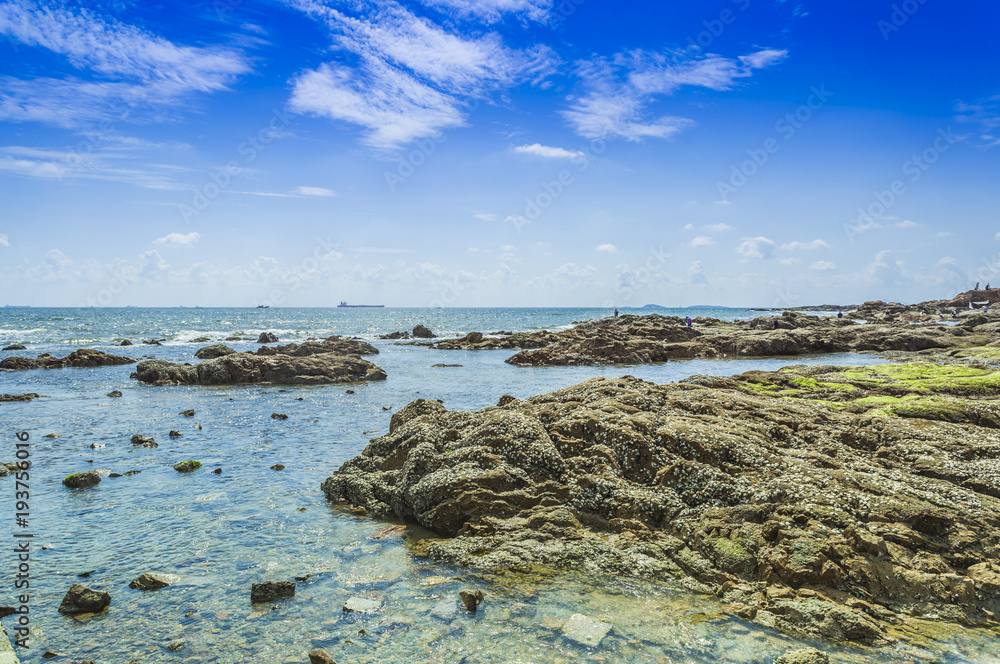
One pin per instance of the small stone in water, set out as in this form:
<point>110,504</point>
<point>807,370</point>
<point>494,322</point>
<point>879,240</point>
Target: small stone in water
<point>279,416</point>
<point>320,656</point>
<point>277,466</point>
<point>175,434</point>
<point>217,471</point>
<point>361,605</point>
<point>584,630</point>
<point>175,646</point>
<point>471,599</point>
<point>187,413</point>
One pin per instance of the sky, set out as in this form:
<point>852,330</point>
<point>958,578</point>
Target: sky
<point>463,153</point>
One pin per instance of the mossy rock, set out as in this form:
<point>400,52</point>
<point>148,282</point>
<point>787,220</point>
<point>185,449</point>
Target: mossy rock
<point>82,480</point>
<point>188,466</point>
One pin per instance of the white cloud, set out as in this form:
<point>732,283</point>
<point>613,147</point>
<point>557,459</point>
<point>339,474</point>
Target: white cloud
<point>413,78</point>
<point>137,68</point>
<point>619,89</point>
<point>4,242</point>
<point>546,151</point>
<point>789,261</point>
<point>482,216</point>
<point>178,240</point>
<point>702,241</point>
<point>822,266</point>
<point>907,224</point>
<point>688,227</point>
<point>491,11</point>
<point>315,191</point>
<point>806,246</point>
<point>606,248</point>
<point>756,247</point>
<point>718,228</point>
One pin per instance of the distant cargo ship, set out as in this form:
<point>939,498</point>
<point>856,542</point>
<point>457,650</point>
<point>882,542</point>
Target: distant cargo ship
<point>351,306</point>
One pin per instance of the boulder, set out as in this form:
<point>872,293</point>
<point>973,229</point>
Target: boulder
<point>320,656</point>
<point>269,591</point>
<point>82,480</point>
<point>15,347</point>
<point>188,466</point>
<point>81,599</point>
<point>114,394</point>
<point>471,599</point>
<point>138,440</point>
<point>125,342</point>
<point>421,332</point>
<point>267,338</point>
<point>213,351</point>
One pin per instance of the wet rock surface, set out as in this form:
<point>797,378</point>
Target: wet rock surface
<point>335,344</point>
<point>830,501</point>
<point>81,599</point>
<point>268,591</point>
<point>82,358</point>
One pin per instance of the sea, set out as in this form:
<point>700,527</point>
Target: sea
<point>220,533</point>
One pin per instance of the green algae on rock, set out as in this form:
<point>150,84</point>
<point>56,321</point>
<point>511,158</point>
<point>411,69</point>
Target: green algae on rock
<point>830,501</point>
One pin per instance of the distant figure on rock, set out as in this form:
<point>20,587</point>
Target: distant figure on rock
<point>941,314</point>
<point>840,314</point>
<point>977,286</point>
<point>986,309</point>
<point>954,314</point>
<point>687,321</point>
<point>616,313</point>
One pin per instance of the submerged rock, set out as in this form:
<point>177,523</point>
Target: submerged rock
<point>268,591</point>
<point>188,466</point>
<point>830,501</point>
<point>81,599</point>
<point>246,368</point>
<point>114,394</point>
<point>584,630</point>
<point>153,581</point>
<point>806,656</point>
<point>19,397</point>
<point>320,656</point>
<point>83,358</point>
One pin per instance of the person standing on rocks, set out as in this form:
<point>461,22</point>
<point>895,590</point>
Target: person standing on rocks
<point>616,313</point>
<point>977,286</point>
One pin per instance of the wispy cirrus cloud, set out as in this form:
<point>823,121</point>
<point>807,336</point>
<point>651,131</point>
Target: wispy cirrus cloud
<point>121,67</point>
<point>491,11</point>
<point>619,90</point>
<point>410,77</point>
<point>984,113</point>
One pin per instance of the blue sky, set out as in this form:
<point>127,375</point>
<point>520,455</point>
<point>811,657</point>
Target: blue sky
<point>497,152</point>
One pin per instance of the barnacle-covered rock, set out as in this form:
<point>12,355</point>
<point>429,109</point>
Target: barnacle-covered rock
<point>832,501</point>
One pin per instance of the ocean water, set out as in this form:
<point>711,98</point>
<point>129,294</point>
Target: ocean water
<point>221,533</point>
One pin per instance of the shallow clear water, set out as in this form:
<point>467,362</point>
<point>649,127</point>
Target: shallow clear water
<point>220,533</point>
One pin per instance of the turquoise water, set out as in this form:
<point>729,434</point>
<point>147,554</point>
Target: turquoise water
<point>221,533</point>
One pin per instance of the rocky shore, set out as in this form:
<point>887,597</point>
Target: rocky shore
<point>839,502</point>
<point>656,338</point>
